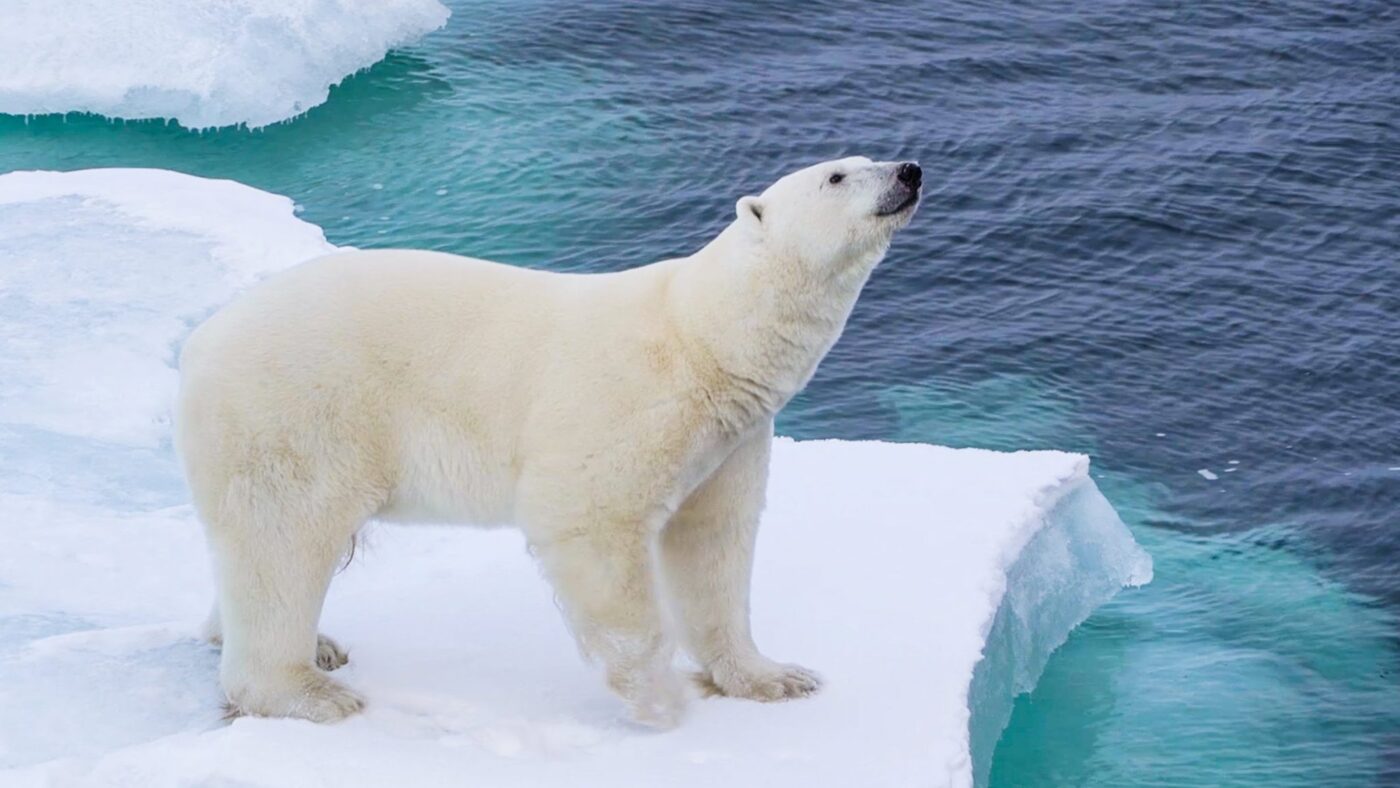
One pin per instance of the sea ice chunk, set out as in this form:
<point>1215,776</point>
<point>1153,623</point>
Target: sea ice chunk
<point>201,64</point>
<point>929,585</point>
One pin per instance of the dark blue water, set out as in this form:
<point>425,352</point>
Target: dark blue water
<point>1164,234</point>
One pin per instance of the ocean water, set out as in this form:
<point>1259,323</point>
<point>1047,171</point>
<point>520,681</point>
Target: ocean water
<point>1167,235</point>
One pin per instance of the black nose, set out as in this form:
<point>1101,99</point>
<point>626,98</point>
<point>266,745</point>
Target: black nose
<point>910,175</point>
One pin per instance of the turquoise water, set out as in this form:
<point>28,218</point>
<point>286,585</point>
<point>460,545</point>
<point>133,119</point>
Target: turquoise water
<point>1165,238</point>
<point>1241,664</point>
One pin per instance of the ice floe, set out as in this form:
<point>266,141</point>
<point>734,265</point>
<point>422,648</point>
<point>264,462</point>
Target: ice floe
<point>202,65</point>
<point>928,585</point>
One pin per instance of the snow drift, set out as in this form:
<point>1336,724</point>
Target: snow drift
<point>928,585</point>
<point>201,64</point>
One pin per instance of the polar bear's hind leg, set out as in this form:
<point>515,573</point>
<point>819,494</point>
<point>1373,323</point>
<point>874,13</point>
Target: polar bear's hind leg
<point>329,654</point>
<point>274,563</point>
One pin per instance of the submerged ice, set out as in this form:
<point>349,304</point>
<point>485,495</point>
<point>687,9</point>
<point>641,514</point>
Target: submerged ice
<point>929,585</point>
<point>1076,561</point>
<point>250,62</point>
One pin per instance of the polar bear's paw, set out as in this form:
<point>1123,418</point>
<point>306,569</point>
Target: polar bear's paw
<point>655,698</point>
<point>768,683</point>
<point>662,712</point>
<point>329,654</point>
<point>305,693</point>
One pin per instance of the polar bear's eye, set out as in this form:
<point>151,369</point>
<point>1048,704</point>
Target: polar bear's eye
<point>835,178</point>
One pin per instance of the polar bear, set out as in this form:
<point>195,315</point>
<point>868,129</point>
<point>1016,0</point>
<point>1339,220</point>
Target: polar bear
<point>621,420</point>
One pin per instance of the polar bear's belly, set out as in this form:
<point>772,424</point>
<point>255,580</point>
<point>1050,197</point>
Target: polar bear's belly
<point>443,470</point>
<point>448,477</point>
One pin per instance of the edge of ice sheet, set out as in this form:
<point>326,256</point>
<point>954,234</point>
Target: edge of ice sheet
<point>257,232</point>
<point>203,65</point>
<point>1058,552</point>
<point>1078,537</point>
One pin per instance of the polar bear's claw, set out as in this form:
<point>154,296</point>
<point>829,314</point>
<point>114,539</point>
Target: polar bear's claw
<point>777,683</point>
<point>329,654</point>
<point>307,694</point>
<point>329,702</point>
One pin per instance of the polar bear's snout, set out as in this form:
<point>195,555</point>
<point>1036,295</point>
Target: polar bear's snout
<point>904,193</point>
<point>910,174</point>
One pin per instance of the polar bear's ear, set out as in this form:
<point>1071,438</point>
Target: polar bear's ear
<point>749,210</point>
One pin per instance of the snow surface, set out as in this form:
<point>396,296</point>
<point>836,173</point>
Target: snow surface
<point>201,64</point>
<point>927,584</point>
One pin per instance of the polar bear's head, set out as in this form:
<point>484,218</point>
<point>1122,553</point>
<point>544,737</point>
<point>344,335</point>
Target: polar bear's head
<point>836,212</point>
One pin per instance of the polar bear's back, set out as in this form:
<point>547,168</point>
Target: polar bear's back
<point>390,351</point>
<point>369,291</point>
<point>396,307</point>
<point>364,316</point>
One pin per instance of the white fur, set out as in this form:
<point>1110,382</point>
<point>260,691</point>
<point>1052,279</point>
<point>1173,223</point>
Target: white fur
<point>621,420</point>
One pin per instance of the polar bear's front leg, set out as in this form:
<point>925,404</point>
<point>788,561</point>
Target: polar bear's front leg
<point>604,580</point>
<point>707,550</point>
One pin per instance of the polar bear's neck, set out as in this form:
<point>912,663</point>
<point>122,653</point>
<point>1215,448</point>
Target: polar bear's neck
<point>761,322</point>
